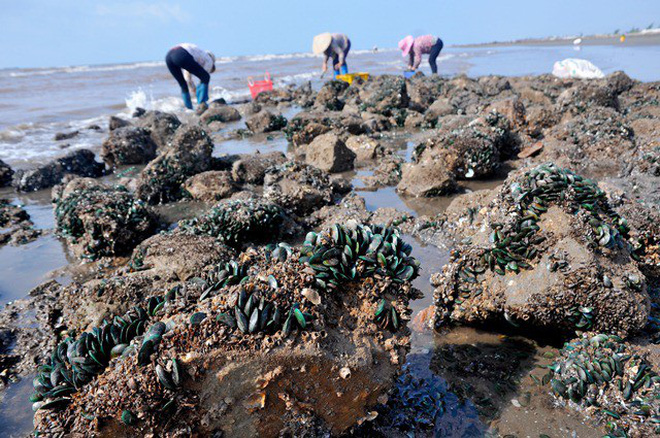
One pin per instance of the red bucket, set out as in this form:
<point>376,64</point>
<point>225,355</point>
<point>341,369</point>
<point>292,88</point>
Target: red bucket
<point>257,87</point>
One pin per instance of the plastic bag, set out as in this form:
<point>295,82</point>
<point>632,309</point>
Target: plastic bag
<point>576,68</point>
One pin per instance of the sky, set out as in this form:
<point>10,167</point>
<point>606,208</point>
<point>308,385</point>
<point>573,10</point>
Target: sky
<point>42,33</point>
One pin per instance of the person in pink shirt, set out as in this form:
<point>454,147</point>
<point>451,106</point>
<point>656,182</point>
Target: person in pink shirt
<point>414,48</point>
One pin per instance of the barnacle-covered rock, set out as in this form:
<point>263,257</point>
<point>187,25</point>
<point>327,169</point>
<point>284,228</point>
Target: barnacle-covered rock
<point>161,126</point>
<point>15,225</point>
<point>551,254</point>
<point>424,91</point>
<point>188,153</point>
<point>612,381</point>
<point>6,174</point>
<point>384,94</point>
<point>237,222</point>
<point>211,186</point>
<point>80,163</point>
<point>102,221</point>
<point>307,125</point>
<point>266,121</point>
<point>128,145</point>
<point>330,96</point>
<point>298,188</point>
<point>263,351</point>
<point>252,168</point>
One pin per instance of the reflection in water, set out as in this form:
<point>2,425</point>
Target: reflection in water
<point>15,414</point>
<point>24,267</point>
<point>249,145</point>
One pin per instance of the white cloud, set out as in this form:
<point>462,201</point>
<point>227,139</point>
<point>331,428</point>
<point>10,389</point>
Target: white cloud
<point>164,12</point>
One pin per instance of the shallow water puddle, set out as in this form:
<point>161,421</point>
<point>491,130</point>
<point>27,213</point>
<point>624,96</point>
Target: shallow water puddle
<point>250,145</point>
<point>15,413</point>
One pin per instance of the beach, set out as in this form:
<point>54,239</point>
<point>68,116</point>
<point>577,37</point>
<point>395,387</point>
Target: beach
<point>491,227</point>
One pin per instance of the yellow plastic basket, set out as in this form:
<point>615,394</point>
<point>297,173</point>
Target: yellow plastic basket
<point>351,76</point>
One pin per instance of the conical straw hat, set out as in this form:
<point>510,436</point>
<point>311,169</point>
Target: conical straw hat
<point>321,43</point>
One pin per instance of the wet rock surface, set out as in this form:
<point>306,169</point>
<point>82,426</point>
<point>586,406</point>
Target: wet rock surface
<point>266,121</point>
<point>549,253</point>
<point>16,228</point>
<point>101,221</point>
<point>188,154</point>
<point>128,145</point>
<point>6,174</point>
<point>79,163</point>
<point>329,153</point>
<point>552,255</point>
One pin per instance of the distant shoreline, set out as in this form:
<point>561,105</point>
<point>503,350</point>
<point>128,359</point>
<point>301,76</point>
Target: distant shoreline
<point>635,39</point>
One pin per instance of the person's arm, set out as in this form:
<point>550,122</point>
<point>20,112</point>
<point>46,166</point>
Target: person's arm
<point>325,62</point>
<point>417,59</point>
<point>189,80</point>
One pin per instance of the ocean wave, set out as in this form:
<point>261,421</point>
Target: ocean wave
<point>85,69</point>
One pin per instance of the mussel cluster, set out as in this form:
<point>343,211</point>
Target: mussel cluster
<point>75,362</point>
<point>119,220</point>
<point>344,253</point>
<point>603,373</point>
<point>237,222</point>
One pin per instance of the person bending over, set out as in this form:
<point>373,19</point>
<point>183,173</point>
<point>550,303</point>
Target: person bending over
<point>414,48</point>
<point>333,46</point>
<point>186,60</point>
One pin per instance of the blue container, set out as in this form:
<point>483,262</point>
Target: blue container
<point>408,74</point>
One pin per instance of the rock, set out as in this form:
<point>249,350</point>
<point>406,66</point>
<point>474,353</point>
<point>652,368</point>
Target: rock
<point>65,135</point>
<point>274,97</point>
<point>265,121</point>
<point>364,148</point>
<point>384,94</point>
<point>102,221</point>
<point>494,85</point>
<point>115,123</point>
<point>551,274</point>
<point>329,153</point>
<point>128,145</point>
<point>512,108</point>
<point>239,222</point>
<point>6,174</point>
<point>161,126</point>
<point>186,255</point>
<point>388,172</point>
<point>424,91</point>
<point>94,128</point>
<point>251,168</point>
<point>189,153</point>
<point>376,122</point>
<point>211,186</point>
<point>597,139</point>
<point>584,96</point>
<point>220,113</point>
<point>440,108</point>
<point>81,163</point>
<point>236,380</point>
<point>16,228</point>
<point>306,125</point>
<point>531,150</point>
<point>139,112</point>
<point>470,152</point>
<point>619,82</point>
<point>425,179</point>
<point>298,188</point>
<point>330,96</point>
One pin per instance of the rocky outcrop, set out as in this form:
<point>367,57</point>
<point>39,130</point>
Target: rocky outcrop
<point>189,153</point>
<point>298,188</point>
<point>116,123</point>
<point>550,255</point>
<point>365,148</point>
<point>425,179</point>
<point>265,121</point>
<point>384,94</point>
<point>329,153</point>
<point>211,186</point>
<point>6,174</point>
<point>252,168</point>
<point>347,346</point>
<point>80,163</point>
<point>100,221</point>
<point>161,126</point>
<point>16,228</point>
<point>128,145</point>
<point>220,113</point>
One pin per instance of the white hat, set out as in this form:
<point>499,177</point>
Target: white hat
<point>321,43</point>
